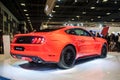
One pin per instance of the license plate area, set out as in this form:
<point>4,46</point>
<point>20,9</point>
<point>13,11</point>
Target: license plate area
<point>19,48</point>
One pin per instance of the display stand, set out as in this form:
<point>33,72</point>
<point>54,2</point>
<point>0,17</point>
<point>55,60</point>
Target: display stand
<point>6,43</point>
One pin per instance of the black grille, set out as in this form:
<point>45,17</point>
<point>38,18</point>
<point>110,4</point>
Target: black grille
<point>24,39</point>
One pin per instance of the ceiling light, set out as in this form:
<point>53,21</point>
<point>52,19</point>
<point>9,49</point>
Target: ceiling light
<point>97,1</point>
<point>57,6</point>
<point>28,17</point>
<point>112,20</point>
<point>28,20</point>
<point>119,9</point>
<point>83,12</point>
<point>87,1</point>
<point>49,18</point>
<point>59,0</point>
<point>115,2</point>
<point>99,17</point>
<point>104,0</point>
<point>92,7</point>
<point>75,1</point>
<point>25,10</point>
<point>53,11</point>
<point>22,4</point>
<point>50,15</point>
<point>108,13</point>
<point>27,14</point>
<point>73,19</point>
<point>92,19</point>
<point>77,16</point>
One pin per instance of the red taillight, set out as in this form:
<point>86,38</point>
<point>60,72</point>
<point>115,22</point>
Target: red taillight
<point>38,40</point>
<point>34,40</point>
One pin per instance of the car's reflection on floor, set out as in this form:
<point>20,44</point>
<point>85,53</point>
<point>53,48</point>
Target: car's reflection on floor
<point>85,69</point>
<point>49,66</point>
<point>39,66</point>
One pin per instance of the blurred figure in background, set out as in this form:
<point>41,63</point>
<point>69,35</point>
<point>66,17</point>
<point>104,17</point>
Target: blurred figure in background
<point>112,42</point>
<point>98,34</point>
<point>107,37</point>
<point>118,42</point>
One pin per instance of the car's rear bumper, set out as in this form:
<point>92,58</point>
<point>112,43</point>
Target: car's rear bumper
<point>35,53</point>
<point>28,58</point>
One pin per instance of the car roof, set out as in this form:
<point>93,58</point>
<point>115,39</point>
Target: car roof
<point>72,27</point>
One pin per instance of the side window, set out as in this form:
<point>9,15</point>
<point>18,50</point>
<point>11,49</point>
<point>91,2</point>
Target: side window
<point>77,31</point>
<point>71,31</point>
<point>81,32</point>
<point>86,33</point>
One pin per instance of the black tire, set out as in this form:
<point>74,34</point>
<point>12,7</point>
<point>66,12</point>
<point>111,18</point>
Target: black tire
<point>103,51</point>
<point>67,59</point>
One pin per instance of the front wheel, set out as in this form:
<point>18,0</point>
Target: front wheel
<point>103,51</point>
<point>67,59</point>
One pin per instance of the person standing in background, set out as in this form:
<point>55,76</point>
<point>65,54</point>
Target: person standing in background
<point>112,42</point>
<point>107,37</point>
<point>98,34</point>
<point>118,42</point>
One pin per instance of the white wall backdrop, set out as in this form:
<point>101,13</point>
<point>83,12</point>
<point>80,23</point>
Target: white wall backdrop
<point>114,29</point>
<point>111,29</point>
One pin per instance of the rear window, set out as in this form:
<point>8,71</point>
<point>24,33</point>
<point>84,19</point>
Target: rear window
<point>49,29</point>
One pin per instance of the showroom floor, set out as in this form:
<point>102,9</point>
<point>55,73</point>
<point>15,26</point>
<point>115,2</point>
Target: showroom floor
<point>88,69</point>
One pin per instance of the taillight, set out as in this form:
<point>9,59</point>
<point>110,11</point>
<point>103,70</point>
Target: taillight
<point>14,39</point>
<point>38,40</point>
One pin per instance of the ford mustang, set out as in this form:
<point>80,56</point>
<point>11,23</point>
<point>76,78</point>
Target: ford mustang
<point>60,45</point>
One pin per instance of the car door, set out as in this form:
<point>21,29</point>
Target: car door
<point>86,42</point>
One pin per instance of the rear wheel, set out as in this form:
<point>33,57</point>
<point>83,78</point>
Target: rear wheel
<point>103,51</point>
<point>67,59</point>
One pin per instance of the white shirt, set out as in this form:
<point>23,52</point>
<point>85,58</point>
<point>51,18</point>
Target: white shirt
<point>118,38</point>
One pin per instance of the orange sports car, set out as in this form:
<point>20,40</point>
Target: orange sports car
<point>61,45</point>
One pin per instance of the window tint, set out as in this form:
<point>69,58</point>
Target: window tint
<point>71,31</point>
<point>77,31</point>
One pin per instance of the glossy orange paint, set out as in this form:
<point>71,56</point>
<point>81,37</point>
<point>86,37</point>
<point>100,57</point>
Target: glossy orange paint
<point>53,44</point>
